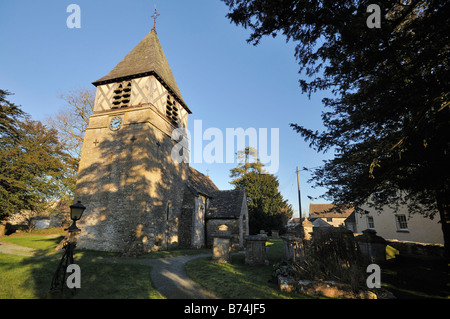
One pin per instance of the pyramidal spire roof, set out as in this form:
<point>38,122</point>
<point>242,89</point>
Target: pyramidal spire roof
<point>147,58</point>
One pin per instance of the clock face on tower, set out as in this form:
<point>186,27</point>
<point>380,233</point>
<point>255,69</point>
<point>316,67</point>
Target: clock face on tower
<point>115,123</point>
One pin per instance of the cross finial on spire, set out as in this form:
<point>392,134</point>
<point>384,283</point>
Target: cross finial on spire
<point>154,16</point>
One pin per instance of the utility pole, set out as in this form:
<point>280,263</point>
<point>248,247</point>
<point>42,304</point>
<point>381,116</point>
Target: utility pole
<point>299,197</point>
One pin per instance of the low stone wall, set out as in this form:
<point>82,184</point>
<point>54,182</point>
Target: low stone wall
<point>414,248</point>
<point>330,289</point>
<point>28,219</point>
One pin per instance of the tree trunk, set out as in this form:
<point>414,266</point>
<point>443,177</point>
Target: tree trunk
<point>443,203</point>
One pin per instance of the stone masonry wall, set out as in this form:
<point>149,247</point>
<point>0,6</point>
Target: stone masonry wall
<point>126,180</point>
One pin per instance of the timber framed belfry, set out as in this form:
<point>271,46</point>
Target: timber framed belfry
<point>138,199</point>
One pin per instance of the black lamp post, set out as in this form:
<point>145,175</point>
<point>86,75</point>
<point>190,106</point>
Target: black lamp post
<point>59,279</point>
<point>76,211</point>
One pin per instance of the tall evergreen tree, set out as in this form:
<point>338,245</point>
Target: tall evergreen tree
<point>266,207</point>
<point>9,116</point>
<point>32,162</point>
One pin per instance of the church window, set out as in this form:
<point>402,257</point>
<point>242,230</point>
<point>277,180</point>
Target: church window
<point>168,208</point>
<point>172,111</point>
<point>122,93</point>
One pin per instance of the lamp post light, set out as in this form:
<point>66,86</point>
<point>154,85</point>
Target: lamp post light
<point>76,211</point>
<point>59,279</point>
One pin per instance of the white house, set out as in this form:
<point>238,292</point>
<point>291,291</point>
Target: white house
<point>400,225</point>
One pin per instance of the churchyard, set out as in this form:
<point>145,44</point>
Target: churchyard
<point>29,277</point>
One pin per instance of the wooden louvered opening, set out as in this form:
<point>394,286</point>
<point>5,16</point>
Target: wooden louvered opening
<point>172,112</point>
<point>122,94</point>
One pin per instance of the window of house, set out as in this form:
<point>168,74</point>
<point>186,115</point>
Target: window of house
<point>122,94</point>
<point>402,224</point>
<point>329,219</point>
<point>172,111</point>
<point>370,223</point>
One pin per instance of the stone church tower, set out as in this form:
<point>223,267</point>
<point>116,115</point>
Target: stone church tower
<point>132,189</point>
<point>137,198</point>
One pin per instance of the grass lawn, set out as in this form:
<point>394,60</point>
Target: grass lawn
<point>30,277</point>
<point>236,280</point>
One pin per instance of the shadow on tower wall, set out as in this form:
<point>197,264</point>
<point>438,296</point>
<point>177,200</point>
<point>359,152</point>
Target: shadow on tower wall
<point>132,189</point>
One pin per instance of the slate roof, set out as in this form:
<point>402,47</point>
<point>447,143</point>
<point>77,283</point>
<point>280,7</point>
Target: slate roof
<point>318,222</point>
<point>147,58</point>
<point>326,210</point>
<point>201,183</point>
<point>223,204</point>
<point>226,204</point>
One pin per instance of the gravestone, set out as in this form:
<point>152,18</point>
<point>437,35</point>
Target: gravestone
<point>222,245</point>
<point>255,250</point>
<point>275,234</point>
<point>292,248</point>
<point>372,247</point>
<point>307,229</point>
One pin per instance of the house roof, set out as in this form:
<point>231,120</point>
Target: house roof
<point>328,210</point>
<point>318,222</point>
<point>226,204</point>
<point>147,58</point>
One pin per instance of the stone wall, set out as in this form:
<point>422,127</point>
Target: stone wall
<point>198,222</point>
<point>127,180</point>
<point>27,220</point>
<point>413,248</point>
<point>186,218</point>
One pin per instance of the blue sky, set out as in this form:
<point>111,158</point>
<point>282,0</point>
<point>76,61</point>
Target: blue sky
<point>226,82</point>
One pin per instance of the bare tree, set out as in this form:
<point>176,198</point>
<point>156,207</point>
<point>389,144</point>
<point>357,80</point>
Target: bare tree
<point>73,119</point>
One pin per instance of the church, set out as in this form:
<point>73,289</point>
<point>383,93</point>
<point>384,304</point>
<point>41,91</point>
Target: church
<point>137,198</point>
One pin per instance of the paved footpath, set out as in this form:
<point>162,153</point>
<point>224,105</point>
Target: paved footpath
<point>170,279</point>
<point>12,249</point>
<point>168,274</point>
